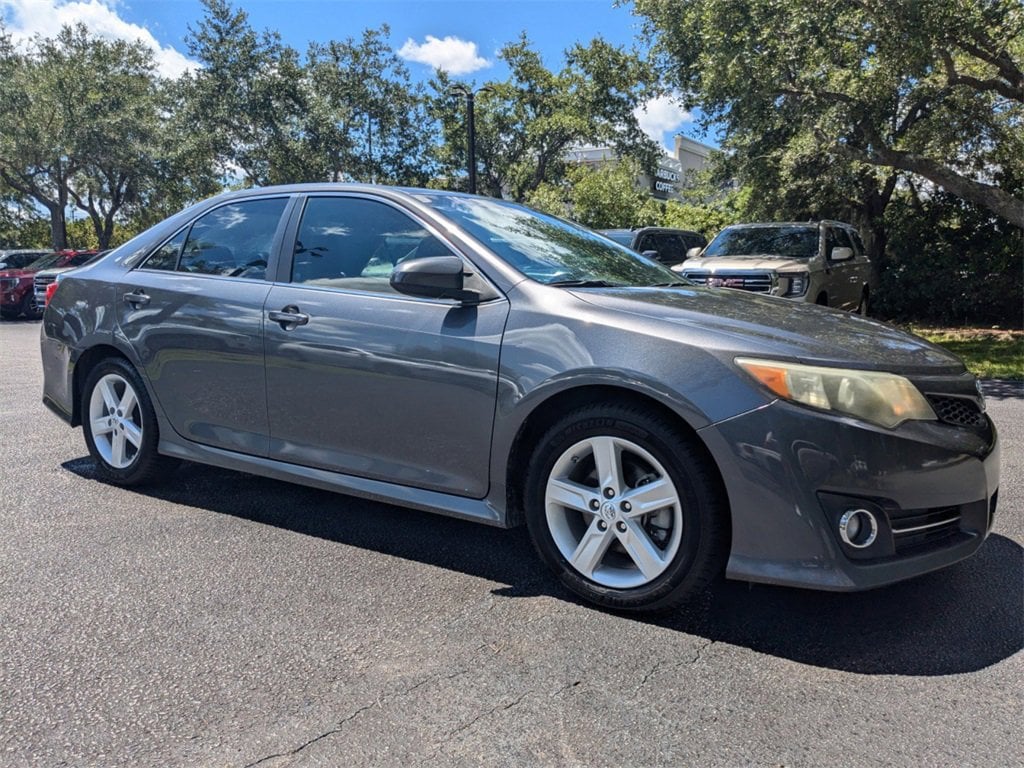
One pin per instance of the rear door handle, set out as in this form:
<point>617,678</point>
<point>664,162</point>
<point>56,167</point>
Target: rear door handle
<point>136,299</point>
<point>289,317</point>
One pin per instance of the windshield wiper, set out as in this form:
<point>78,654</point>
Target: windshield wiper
<point>682,284</point>
<point>584,284</point>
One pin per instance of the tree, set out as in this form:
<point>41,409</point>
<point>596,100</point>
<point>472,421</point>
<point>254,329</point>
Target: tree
<point>527,123</point>
<point>82,120</point>
<point>851,95</point>
<point>366,121</point>
<point>246,99</point>
<point>604,197</point>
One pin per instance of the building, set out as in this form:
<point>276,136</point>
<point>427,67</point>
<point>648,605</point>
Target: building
<point>669,176</point>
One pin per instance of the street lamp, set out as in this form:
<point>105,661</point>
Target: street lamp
<point>470,95</point>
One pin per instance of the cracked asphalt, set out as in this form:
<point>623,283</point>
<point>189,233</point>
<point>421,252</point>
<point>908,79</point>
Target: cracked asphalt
<point>224,619</point>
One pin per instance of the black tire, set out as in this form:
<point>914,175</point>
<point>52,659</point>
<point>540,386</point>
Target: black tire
<point>863,307</point>
<point>702,512</point>
<point>29,308</point>
<point>144,465</point>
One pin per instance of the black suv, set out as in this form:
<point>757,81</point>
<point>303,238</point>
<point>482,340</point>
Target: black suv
<point>669,246</point>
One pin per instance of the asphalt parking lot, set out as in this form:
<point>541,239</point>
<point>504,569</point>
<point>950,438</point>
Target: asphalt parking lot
<point>228,620</point>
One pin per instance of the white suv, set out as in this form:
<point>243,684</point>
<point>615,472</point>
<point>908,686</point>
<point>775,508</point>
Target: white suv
<point>821,263</point>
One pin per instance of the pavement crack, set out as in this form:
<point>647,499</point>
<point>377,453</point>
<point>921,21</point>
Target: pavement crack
<point>474,720</point>
<point>380,703</point>
<point>686,662</point>
<point>565,688</point>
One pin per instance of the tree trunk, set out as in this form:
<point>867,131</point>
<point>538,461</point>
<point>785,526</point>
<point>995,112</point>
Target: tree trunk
<point>58,227</point>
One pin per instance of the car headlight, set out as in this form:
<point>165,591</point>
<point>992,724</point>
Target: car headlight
<point>797,283</point>
<point>881,398</point>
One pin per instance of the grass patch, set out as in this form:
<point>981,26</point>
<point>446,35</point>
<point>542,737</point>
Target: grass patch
<point>988,354</point>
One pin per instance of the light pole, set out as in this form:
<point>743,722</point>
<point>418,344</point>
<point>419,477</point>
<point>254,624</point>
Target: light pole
<point>470,95</point>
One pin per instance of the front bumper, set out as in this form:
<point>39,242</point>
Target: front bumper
<point>791,472</point>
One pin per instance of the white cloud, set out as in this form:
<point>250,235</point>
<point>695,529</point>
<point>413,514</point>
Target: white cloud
<point>454,56</point>
<point>660,115</point>
<point>25,18</point>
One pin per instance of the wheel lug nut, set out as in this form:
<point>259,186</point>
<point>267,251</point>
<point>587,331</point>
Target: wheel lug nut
<point>602,525</point>
<point>620,526</point>
<point>626,506</point>
<point>595,504</point>
<point>608,493</point>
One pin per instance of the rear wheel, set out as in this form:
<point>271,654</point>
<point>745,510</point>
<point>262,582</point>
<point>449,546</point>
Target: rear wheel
<point>120,425</point>
<point>862,308</point>
<point>626,510</point>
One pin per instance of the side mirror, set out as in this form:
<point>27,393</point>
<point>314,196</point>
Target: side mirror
<point>841,253</point>
<point>651,254</point>
<point>433,277</point>
<point>693,253</point>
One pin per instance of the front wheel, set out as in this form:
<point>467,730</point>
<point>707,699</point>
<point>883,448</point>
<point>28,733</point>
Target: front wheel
<point>29,308</point>
<point>120,425</point>
<point>629,512</point>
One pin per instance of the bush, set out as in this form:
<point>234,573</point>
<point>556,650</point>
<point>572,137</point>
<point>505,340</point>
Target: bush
<point>952,264</point>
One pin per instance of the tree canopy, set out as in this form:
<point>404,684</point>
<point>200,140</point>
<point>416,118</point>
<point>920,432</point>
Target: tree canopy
<point>930,88</point>
<point>526,124</point>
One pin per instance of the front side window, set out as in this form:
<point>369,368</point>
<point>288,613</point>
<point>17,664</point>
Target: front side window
<point>354,244</point>
<point>234,240</point>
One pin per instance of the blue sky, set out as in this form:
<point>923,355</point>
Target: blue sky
<point>462,37</point>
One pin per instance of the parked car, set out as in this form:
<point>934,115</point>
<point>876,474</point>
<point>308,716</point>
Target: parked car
<point>44,277</point>
<point>16,295</point>
<point>19,259</point>
<point>819,262</point>
<point>17,291</point>
<point>669,246</point>
<point>471,357</point>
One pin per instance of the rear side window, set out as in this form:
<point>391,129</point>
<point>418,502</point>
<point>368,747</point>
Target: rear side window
<point>231,241</point>
<point>166,256</point>
<point>354,244</point>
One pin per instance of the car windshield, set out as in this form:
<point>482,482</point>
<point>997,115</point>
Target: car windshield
<point>548,249</point>
<point>795,242</point>
<point>620,236</point>
<point>45,262</point>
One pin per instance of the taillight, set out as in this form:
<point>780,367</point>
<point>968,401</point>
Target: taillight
<point>50,290</point>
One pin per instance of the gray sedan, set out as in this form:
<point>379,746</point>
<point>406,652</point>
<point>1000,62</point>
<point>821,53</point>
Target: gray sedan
<point>474,358</point>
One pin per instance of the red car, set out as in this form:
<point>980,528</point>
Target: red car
<point>17,296</point>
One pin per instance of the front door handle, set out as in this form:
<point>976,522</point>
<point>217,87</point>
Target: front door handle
<point>136,299</point>
<point>289,317</point>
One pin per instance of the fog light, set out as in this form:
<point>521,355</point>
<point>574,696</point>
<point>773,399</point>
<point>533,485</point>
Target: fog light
<point>858,528</point>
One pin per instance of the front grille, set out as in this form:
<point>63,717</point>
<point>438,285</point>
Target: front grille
<point>42,281</point>
<point>757,282</point>
<point>918,530</point>
<point>962,411</point>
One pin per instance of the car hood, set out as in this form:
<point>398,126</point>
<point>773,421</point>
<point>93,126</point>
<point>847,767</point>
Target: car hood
<point>722,263</point>
<point>744,323</point>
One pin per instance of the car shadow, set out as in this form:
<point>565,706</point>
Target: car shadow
<point>961,619</point>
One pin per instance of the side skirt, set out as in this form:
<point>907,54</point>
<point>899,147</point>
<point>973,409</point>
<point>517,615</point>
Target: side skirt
<point>477,510</point>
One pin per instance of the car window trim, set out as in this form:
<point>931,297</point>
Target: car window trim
<point>284,270</point>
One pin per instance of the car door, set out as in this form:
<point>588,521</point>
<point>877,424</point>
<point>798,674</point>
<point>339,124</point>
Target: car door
<point>369,382</point>
<point>193,312</point>
<point>846,282</point>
